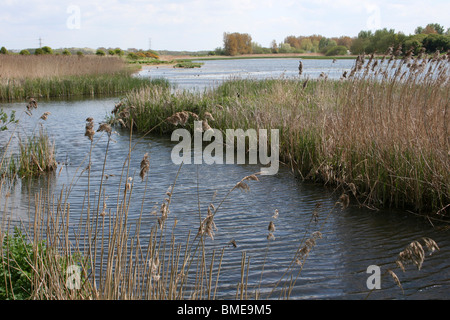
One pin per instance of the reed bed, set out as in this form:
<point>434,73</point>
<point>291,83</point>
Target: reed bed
<point>97,251</point>
<point>49,76</point>
<point>380,132</point>
<point>49,66</point>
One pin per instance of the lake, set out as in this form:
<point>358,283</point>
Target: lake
<point>353,238</point>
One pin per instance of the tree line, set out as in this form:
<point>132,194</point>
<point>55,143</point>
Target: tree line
<point>431,38</point>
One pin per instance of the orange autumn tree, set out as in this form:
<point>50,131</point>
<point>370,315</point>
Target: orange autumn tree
<point>237,43</point>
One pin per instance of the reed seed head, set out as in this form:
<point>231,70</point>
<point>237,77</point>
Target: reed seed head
<point>45,115</point>
<point>90,128</point>
<point>145,165</point>
<point>106,128</point>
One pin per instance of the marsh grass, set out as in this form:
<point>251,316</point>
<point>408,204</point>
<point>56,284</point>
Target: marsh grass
<point>380,132</point>
<point>119,257</point>
<point>64,76</point>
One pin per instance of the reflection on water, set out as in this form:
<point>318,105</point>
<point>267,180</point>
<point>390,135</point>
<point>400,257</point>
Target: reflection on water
<point>353,238</point>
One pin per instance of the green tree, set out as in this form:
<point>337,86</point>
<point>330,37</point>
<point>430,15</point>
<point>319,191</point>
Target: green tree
<point>274,46</point>
<point>47,50</point>
<point>38,51</point>
<point>437,27</point>
<point>434,42</point>
<point>337,51</point>
<point>111,52</point>
<point>100,52</point>
<point>3,50</point>
<point>24,52</point>
<point>414,43</point>
<point>66,52</point>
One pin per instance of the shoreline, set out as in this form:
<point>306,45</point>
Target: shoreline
<point>168,61</point>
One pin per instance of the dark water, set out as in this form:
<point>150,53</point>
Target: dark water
<point>353,238</point>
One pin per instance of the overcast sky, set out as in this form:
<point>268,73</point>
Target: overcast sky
<point>199,24</point>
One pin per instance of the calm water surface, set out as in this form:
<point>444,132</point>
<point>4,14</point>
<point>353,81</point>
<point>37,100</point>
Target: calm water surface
<point>353,238</point>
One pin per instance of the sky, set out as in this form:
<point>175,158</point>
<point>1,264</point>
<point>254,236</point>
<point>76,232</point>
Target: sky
<point>194,25</point>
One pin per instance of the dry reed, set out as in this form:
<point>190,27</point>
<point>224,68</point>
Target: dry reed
<point>380,133</point>
<point>49,66</point>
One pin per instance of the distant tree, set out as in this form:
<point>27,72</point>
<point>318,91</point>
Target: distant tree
<point>418,30</point>
<point>344,41</point>
<point>274,46</point>
<point>3,50</point>
<point>38,51</point>
<point>430,28</point>
<point>111,52</point>
<point>47,50</point>
<point>337,51</point>
<point>219,51</point>
<point>293,41</point>
<point>80,53</point>
<point>237,43</point>
<point>100,52</point>
<point>436,27</point>
<point>66,52</point>
<point>414,43</point>
<point>434,42</point>
<point>132,56</point>
<point>118,51</point>
<point>285,48</point>
<point>306,44</point>
<point>24,52</point>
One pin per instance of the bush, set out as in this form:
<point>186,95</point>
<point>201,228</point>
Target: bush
<point>47,50</point>
<point>100,52</point>
<point>3,50</point>
<point>132,56</point>
<point>15,267</point>
<point>24,52</point>
<point>337,51</point>
<point>38,51</point>
<point>66,52</point>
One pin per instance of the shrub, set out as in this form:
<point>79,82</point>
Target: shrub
<point>100,52</point>
<point>3,50</point>
<point>15,267</point>
<point>24,52</point>
<point>38,51</point>
<point>337,51</point>
<point>66,52</point>
<point>132,56</point>
<point>47,50</point>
